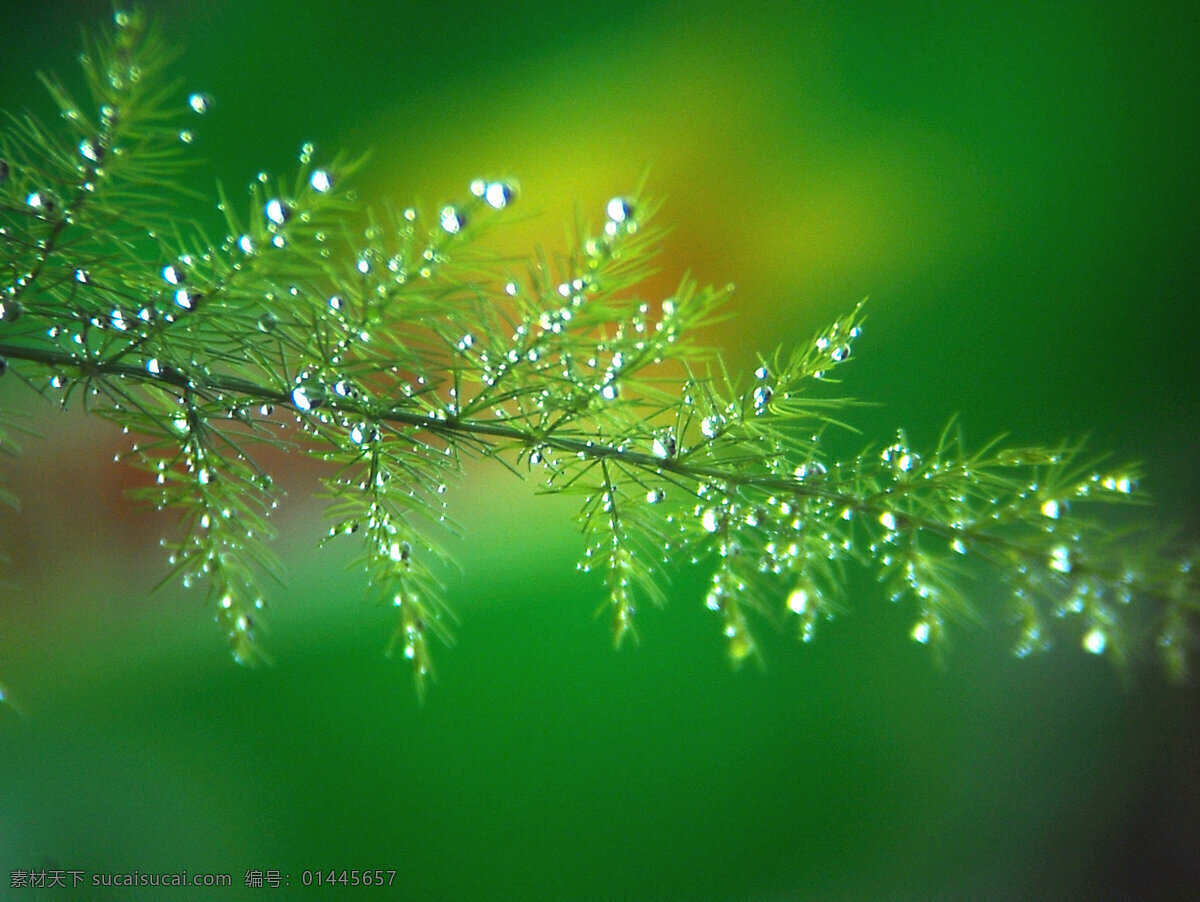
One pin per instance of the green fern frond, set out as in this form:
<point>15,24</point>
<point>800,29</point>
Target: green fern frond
<point>391,345</point>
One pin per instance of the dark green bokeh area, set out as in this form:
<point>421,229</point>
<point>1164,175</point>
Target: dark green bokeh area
<point>1014,186</point>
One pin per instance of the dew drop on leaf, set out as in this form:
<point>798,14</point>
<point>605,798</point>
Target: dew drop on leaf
<point>200,103</point>
<point>277,211</point>
<point>619,209</point>
<point>307,397</point>
<point>321,180</point>
<point>1060,559</point>
<point>798,601</point>
<point>498,194</point>
<point>1095,640</point>
<point>452,220</point>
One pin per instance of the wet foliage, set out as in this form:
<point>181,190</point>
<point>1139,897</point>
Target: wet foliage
<point>392,346</point>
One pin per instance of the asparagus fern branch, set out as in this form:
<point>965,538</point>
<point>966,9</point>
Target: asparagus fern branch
<point>391,346</point>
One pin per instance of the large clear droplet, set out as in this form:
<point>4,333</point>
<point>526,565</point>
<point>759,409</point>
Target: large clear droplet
<point>1060,559</point>
<point>619,209</point>
<point>278,211</point>
<point>452,219</point>
<point>499,194</point>
<point>307,397</point>
<point>1095,641</point>
<point>200,103</point>
<point>321,180</point>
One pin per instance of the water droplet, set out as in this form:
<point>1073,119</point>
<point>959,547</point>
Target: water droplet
<point>1052,509</point>
<point>888,519</point>
<point>619,209</point>
<point>499,194</point>
<point>307,397</point>
<point>921,631</point>
<point>267,322</point>
<point>709,426</point>
<point>810,470</point>
<point>452,219</point>
<point>82,277</point>
<point>187,299</point>
<point>266,409</point>
<point>1122,484</point>
<point>336,303</point>
<point>174,274</point>
<point>1095,640</point>
<point>762,397</point>
<point>609,391</point>
<point>958,545</point>
<point>840,353</point>
<point>1060,559</point>
<point>278,211</point>
<point>798,601</point>
<point>153,367</point>
<point>466,342</point>
<point>664,447</point>
<point>710,521</point>
<point>762,373</point>
<point>321,180</point>
<point>654,496</point>
<point>200,103</point>
<point>89,151</point>
<point>246,245</point>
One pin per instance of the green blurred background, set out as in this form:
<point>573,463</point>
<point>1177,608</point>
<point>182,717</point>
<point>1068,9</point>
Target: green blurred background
<point>1013,184</point>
